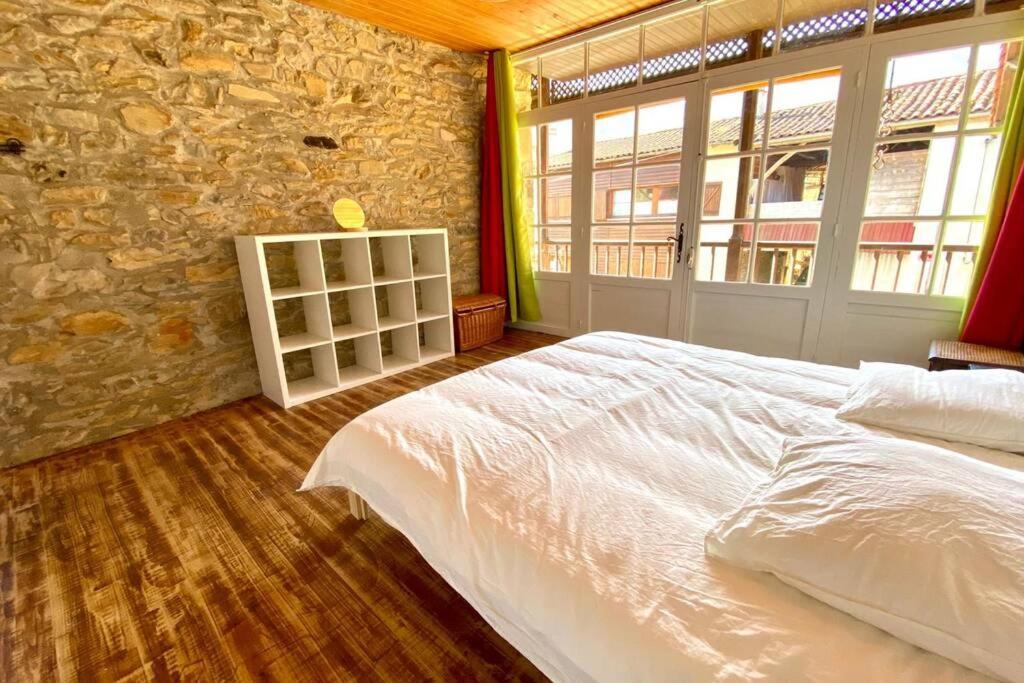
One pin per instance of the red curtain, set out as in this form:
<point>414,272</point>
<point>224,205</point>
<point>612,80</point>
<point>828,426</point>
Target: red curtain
<point>997,318</point>
<point>493,279</point>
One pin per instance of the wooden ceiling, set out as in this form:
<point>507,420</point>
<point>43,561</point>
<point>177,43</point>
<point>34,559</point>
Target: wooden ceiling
<point>478,25</point>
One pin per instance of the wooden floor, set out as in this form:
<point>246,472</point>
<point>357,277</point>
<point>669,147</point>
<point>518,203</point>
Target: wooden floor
<point>184,551</point>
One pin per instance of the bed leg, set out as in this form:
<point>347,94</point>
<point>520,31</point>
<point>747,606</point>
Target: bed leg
<point>357,506</point>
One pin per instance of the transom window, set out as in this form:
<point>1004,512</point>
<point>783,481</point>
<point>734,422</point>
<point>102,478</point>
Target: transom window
<point>935,155</point>
<point>546,156</point>
<point>718,33</point>
<point>637,153</point>
<point>764,179</point>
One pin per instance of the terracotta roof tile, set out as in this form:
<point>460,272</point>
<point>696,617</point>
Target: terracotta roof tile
<point>916,102</point>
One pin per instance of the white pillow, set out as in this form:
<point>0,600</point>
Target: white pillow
<point>984,407</point>
<point>922,542</point>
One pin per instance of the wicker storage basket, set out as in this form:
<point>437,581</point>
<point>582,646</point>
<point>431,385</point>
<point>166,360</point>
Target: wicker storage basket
<point>479,320</point>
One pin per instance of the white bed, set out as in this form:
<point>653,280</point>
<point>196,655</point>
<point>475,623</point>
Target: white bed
<point>565,493</point>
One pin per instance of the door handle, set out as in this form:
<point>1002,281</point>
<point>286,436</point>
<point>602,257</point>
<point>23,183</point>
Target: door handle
<point>679,238</point>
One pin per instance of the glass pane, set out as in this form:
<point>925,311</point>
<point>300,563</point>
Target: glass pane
<point>956,263</point>
<point>556,147</point>
<point>563,75</point>
<point>740,31</point>
<point>661,131</point>
<point>785,253</point>
<point>723,252</point>
<point>807,24</point>
<point>924,92</point>
<point>657,192</point>
<point>526,85</point>
<point>557,194</point>
<point>993,83</point>
<point>804,109</point>
<point>613,138</point>
<point>910,178</point>
<point>531,202</point>
<point>976,171</point>
<point>897,14</point>
<point>528,150</point>
<point>672,46</point>
<point>652,254</point>
<point>613,195</point>
<point>614,62</point>
<point>895,257</point>
<point>555,249</point>
<point>609,249</point>
<point>734,181</point>
<point>737,119</point>
<point>794,184</point>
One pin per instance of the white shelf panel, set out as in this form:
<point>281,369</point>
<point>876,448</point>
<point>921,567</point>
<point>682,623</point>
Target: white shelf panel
<point>429,355</point>
<point>292,292</point>
<point>297,342</point>
<point>385,280</point>
<point>356,374</point>
<point>390,323</point>
<point>346,285</point>
<point>343,332</point>
<point>393,364</point>
<point>424,316</point>
<point>309,388</point>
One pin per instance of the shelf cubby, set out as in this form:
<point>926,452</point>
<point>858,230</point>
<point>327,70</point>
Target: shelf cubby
<point>359,360</point>
<point>353,313</point>
<point>399,348</point>
<point>346,264</point>
<point>432,300</point>
<point>390,259</point>
<point>302,322</point>
<point>294,270</point>
<point>330,311</point>
<point>396,305</point>
<point>429,256</point>
<point>435,340</point>
<point>310,373</point>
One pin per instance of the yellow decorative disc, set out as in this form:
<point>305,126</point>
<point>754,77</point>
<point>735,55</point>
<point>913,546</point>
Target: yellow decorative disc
<point>349,214</point>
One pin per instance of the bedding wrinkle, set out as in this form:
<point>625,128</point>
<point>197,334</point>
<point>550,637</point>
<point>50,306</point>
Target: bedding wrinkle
<point>566,493</point>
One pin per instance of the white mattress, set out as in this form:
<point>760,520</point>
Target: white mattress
<point>565,493</point>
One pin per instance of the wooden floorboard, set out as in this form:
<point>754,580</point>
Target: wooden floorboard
<point>185,552</point>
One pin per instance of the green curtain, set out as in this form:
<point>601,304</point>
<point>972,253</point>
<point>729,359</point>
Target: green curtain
<point>522,295</point>
<point>1011,156</point>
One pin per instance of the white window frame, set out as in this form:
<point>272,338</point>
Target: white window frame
<point>855,190</point>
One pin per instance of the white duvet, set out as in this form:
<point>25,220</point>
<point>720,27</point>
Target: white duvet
<point>565,493</point>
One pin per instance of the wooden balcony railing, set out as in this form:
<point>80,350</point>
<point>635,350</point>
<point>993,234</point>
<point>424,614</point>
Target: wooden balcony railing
<point>923,252</point>
<point>650,259</point>
<point>654,260</point>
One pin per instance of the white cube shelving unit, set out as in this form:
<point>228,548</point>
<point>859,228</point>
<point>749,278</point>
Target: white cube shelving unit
<point>415,296</point>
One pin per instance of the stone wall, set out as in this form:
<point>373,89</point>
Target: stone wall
<point>154,131</point>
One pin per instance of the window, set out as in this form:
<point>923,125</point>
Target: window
<point>614,62</point>
<point>764,179</point>
<point>637,152</point>
<point>704,36</point>
<point>935,154</point>
<point>546,157</point>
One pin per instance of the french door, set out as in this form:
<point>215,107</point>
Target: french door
<point>640,155</point>
<point>774,149</point>
<point>918,191</point>
<point>829,205</point>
